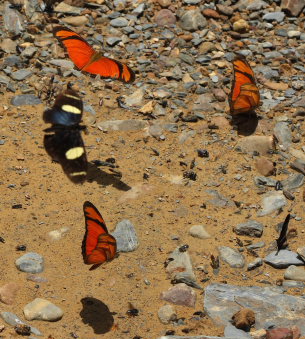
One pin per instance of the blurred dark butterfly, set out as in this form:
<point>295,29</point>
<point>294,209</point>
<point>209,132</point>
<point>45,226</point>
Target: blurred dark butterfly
<point>282,240</point>
<point>63,141</point>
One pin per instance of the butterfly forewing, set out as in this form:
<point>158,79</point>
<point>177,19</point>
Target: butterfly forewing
<point>244,96</point>
<point>88,60</point>
<point>98,245</point>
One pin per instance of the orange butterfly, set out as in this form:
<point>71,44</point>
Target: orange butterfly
<point>98,245</point>
<point>86,59</point>
<point>244,96</point>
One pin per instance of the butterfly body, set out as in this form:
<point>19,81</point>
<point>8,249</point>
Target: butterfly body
<point>63,141</point>
<point>88,60</point>
<point>244,96</point>
<point>98,245</point>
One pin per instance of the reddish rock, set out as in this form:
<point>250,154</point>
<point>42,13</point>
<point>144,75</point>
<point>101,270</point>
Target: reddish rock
<point>164,3</point>
<point>210,13</point>
<point>292,7</point>
<point>8,293</point>
<point>180,294</point>
<point>225,10</point>
<point>281,333</point>
<point>220,94</point>
<point>165,17</point>
<point>244,319</point>
<point>265,166</point>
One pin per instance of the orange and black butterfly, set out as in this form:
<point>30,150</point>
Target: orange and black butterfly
<point>244,96</point>
<point>63,141</point>
<point>88,60</point>
<point>98,245</point>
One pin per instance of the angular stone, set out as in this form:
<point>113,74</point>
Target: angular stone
<point>41,309</point>
<point>165,17</point>
<point>25,99</point>
<point>126,236</point>
<point>265,166</point>
<point>122,125</point>
<point>30,262</point>
<point>295,273</point>
<point>167,314</point>
<point>232,257</point>
<point>199,231</point>
<point>256,143</point>
<point>180,294</point>
<point>251,228</point>
<point>292,7</point>
<point>272,202</point>
<point>284,259</point>
<point>192,20</point>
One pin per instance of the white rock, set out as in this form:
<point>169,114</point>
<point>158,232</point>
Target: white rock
<point>41,309</point>
<point>167,314</point>
<point>198,231</point>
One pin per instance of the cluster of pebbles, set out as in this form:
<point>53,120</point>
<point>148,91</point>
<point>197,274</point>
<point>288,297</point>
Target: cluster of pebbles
<point>200,202</point>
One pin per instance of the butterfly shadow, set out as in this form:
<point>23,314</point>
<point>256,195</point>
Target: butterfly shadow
<point>97,315</point>
<point>105,179</point>
<point>246,123</point>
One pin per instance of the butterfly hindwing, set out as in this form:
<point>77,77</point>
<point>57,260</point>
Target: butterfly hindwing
<point>88,60</point>
<point>63,141</point>
<point>98,245</point>
<point>244,96</point>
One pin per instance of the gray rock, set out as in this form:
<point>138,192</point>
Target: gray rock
<point>126,236</point>
<point>301,252</point>
<point>256,143</point>
<point>199,231</point>
<point>293,284</point>
<point>283,134</point>
<point>251,228</point>
<point>180,294</point>
<point>112,41</point>
<point>272,55</point>
<point>204,103</point>
<point>219,200</point>
<point>62,63</point>
<point>295,273</point>
<point>63,7</point>
<point>192,20</point>
<point>233,332</point>
<point>30,262</point>
<point>221,301</point>
<point>29,52</point>
<point>256,245</point>
<point>139,9</point>
<point>256,5</point>
<point>13,320</point>
<point>264,181</point>
<point>284,259</point>
<point>274,16</point>
<point>293,181</point>
<point>21,74</point>
<point>4,80</point>
<point>180,267</point>
<point>8,46</point>
<point>272,202</point>
<point>167,314</point>
<point>25,99</point>
<point>41,309</point>
<point>293,7</point>
<point>119,22</point>
<point>13,60</point>
<point>254,264</point>
<point>136,98</point>
<point>232,257</point>
<point>13,20</point>
<point>122,125</point>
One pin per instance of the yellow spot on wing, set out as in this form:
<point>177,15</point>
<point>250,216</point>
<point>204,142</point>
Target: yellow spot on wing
<point>73,97</point>
<point>74,153</point>
<point>71,109</point>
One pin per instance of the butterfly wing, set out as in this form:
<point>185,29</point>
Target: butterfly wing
<point>66,146</point>
<point>98,245</point>
<point>67,109</point>
<point>110,68</point>
<point>78,49</point>
<point>283,235</point>
<point>244,96</point>
<point>88,60</point>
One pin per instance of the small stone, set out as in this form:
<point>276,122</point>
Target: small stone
<point>30,262</point>
<point>167,314</point>
<point>21,74</point>
<point>272,202</point>
<point>232,257</point>
<point>199,231</point>
<point>76,21</point>
<point>284,259</point>
<point>295,273</point>
<point>164,3</point>
<point>301,252</point>
<point>244,319</point>
<point>226,10</point>
<point>41,309</point>
<point>254,264</point>
<point>180,294</point>
<point>63,7</point>
<point>206,47</point>
<point>126,236</point>
<point>8,293</point>
<point>25,99</point>
<point>136,98</point>
<point>256,143</point>
<point>241,26</point>
<point>58,234</point>
<point>265,166</point>
<point>122,125</point>
<point>274,16</point>
<point>292,7</point>
<point>279,333</point>
<point>165,17</point>
<point>211,13</point>
<point>283,134</point>
<point>112,41</point>
<point>8,46</point>
<point>251,228</point>
<point>192,20</point>
<point>119,22</point>
<point>13,320</point>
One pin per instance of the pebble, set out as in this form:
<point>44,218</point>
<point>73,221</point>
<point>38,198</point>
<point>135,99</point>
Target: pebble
<point>231,257</point>
<point>8,293</point>
<point>233,332</point>
<point>301,252</point>
<point>192,20</point>
<point>284,259</point>
<point>271,202</point>
<point>58,234</point>
<point>126,236</point>
<point>295,273</point>
<point>119,22</point>
<point>265,166</point>
<point>255,264</point>
<point>180,294</point>
<point>13,20</point>
<point>244,319</point>
<point>281,333</point>
<point>283,134</point>
<point>199,231</point>
<point>25,99</point>
<point>293,7</point>
<point>167,314</point>
<point>256,143</point>
<point>165,17</point>
<point>76,21</point>
<point>13,320</point>
<point>274,16</point>
<point>30,262</point>
<point>251,228</point>
<point>21,74</point>
<point>41,309</point>
<point>122,125</point>
<point>241,26</point>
